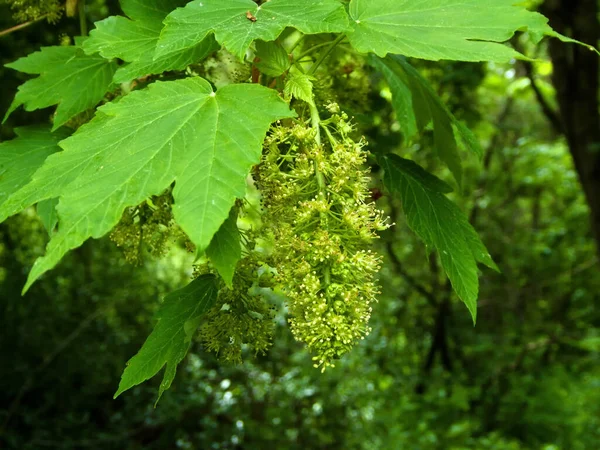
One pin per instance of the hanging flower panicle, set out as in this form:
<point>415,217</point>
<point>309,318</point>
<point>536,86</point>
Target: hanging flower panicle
<point>241,317</point>
<point>318,210</point>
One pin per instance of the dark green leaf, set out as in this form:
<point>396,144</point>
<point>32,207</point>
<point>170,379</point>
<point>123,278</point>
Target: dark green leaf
<point>440,224</point>
<point>46,210</point>
<point>178,319</point>
<point>417,105</point>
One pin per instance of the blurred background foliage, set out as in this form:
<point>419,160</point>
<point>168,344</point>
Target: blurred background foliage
<point>526,377</point>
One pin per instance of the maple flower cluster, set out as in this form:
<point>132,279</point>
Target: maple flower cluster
<point>318,209</point>
<point>241,315</point>
<point>146,227</point>
<point>24,10</point>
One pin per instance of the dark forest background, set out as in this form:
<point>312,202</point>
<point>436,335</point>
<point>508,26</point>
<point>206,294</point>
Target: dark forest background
<point>526,377</point>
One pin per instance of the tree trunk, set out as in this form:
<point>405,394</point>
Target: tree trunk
<point>575,78</point>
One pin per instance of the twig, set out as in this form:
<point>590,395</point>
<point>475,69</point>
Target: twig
<point>326,53</point>
<point>408,277</point>
<point>548,111</point>
<point>21,26</point>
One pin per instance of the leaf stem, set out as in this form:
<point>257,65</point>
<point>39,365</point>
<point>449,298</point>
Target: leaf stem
<point>326,53</point>
<point>316,124</point>
<point>300,39</point>
<point>82,19</point>
<point>312,49</point>
<point>315,121</point>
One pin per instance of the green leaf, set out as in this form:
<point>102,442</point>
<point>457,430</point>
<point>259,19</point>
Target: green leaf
<point>463,30</point>
<point>178,131</point>
<point>402,98</point>
<point>68,78</point>
<point>21,157</point>
<point>134,40</point>
<point>440,224</point>
<point>271,58</point>
<point>299,85</point>
<point>417,105</point>
<point>225,249</point>
<point>178,319</point>
<point>150,10</point>
<point>236,23</point>
<point>46,210</point>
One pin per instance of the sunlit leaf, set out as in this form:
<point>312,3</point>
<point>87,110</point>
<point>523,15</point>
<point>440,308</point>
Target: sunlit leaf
<point>300,86</point>
<point>225,249</point>
<point>462,30</point>
<point>237,23</point>
<point>67,77</point>
<point>22,156</point>
<point>179,131</point>
<point>134,40</point>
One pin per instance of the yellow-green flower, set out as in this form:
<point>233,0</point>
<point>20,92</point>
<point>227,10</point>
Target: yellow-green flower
<point>317,205</point>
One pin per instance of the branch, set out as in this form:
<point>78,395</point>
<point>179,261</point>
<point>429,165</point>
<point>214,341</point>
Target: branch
<point>21,26</point>
<point>552,115</point>
<point>398,267</point>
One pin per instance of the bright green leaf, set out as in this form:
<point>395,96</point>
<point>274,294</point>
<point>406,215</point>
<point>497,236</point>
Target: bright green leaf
<point>68,78</point>
<point>22,156</point>
<point>299,85</point>
<point>463,30</point>
<point>271,58</point>
<point>237,23</point>
<point>440,224</point>
<point>178,131</point>
<point>119,37</point>
<point>150,10</point>
<point>178,319</point>
<point>417,105</point>
<point>402,100</point>
<point>46,210</point>
<point>225,249</point>
<point>134,40</point>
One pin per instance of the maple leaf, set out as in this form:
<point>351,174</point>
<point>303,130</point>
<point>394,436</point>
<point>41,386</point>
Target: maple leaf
<point>178,131</point>
<point>417,105</point>
<point>440,224</point>
<point>237,23</point>
<point>134,40</point>
<point>225,249</point>
<point>462,30</point>
<point>178,318</point>
<point>21,157</point>
<point>68,78</point>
